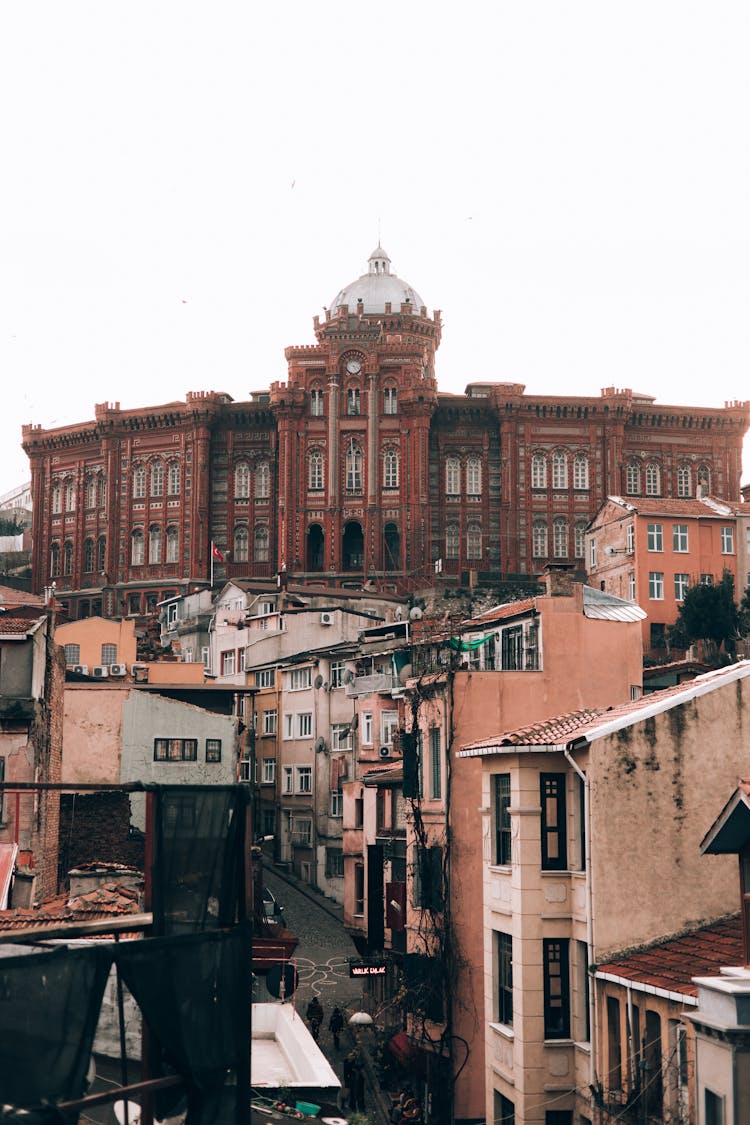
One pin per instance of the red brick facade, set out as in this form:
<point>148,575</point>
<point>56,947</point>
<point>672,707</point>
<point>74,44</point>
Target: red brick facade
<point>357,468</point>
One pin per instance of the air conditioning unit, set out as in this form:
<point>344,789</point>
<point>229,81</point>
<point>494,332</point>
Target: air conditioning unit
<point>117,669</point>
<point>326,619</point>
<point>139,670</point>
<point>385,751</point>
<point>81,669</point>
<point>100,672</point>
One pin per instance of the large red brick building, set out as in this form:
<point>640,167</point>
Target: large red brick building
<point>356,469</point>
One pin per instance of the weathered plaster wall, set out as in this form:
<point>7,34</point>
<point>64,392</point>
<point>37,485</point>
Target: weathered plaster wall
<point>146,717</point>
<point>92,730</point>
<point>655,789</point>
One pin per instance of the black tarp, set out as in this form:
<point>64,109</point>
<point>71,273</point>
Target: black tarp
<point>49,1007</point>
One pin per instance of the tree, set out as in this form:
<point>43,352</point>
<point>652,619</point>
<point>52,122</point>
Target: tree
<point>708,614</point>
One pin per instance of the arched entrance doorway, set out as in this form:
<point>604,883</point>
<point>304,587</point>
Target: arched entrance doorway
<point>315,539</point>
<point>353,547</point>
<point>391,547</point>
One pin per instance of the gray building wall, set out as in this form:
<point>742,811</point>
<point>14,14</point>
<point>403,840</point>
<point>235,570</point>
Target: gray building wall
<point>147,717</point>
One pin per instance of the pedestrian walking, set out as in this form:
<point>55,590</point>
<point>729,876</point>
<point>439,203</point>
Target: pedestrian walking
<point>354,1077</point>
<point>335,1026</point>
<point>315,1016</point>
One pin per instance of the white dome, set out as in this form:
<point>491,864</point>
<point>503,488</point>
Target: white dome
<point>378,287</point>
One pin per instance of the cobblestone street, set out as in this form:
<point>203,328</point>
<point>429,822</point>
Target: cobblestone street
<point>322,959</point>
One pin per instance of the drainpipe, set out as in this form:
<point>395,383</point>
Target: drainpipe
<point>589,915</point>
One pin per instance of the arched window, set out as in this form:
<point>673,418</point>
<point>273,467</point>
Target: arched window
<point>54,560</point>
<point>390,405</point>
<point>154,543</point>
<point>580,536</point>
<point>56,498</point>
<point>70,495</point>
<point>317,402</point>
<point>240,544</point>
<point>539,539</point>
<point>559,469</point>
<point>580,472</point>
<point>157,478</point>
<point>139,482</point>
<point>261,543</point>
<point>90,492</point>
<point>451,541</point>
<point>242,481</point>
<point>560,538</point>
<point>262,481</point>
<point>653,479</point>
<point>633,478</point>
<point>703,478</point>
<point>315,471</point>
<point>88,556</point>
<point>538,471</point>
<point>353,468</point>
<point>353,403</point>
<point>684,481</point>
<point>474,541</point>
<point>136,547</point>
<point>173,478</point>
<point>452,477</point>
<point>390,469</point>
<point>68,557</point>
<point>474,476</point>
<point>102,488</point>
<point>173,545</point>
<point>101,554</point>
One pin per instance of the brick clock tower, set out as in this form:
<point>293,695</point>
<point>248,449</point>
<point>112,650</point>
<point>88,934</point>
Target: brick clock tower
<point>353,433</point>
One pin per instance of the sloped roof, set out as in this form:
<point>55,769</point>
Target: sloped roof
<point>109,900</point>
<point>589,725</point>
<point>705,508</point>
<point>669,966</point>
<point>13,627</point>
<point>601,606</point>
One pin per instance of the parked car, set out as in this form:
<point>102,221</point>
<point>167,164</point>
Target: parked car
<point>272,908</point>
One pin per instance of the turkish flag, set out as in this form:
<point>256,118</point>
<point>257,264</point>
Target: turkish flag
<point>216,553</point>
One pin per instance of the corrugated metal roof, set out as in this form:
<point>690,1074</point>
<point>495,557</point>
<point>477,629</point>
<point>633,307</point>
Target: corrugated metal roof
<point>599,605</point>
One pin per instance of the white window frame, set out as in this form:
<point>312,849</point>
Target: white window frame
<point>684,482</point>
<point>538,470</point>
<point>655,537</point>
<point>580,472</point>
<point>656,585</point>
<point>303,779</point>
<point>304,724</point>
<point>390,469</point>
<point>288,726</point>
<point>653,479</point>
<point>452,477</point>
<point>367,728</point>
<point>270,721</point>
<point>341,736</point>
<point>680,538</point>
<point>317,402</point>
<point>681,583</point>
<point>337,803</point>
<point>287,783</point>
<point>559,469</point>
<point>727,540</point>
<point>474,476</point>
<point>633,478</point>
<point>388,725</point>
<point>265,677</point>
<point>539,539</point>
<point>300,678</point>
<point>269,771</point>
<point>227,662</point>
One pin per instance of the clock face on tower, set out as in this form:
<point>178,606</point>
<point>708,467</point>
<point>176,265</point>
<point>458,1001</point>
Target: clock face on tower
<point>354,367</point>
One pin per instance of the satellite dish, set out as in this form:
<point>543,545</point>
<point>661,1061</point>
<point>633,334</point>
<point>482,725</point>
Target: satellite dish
<point>405,673</point>
<point>398,613</point>
<point>353,725</point>
<point>320,745</point>
<point>282,979</point>
<point>415,613</point>
<point>348,676</point>
<point>318,681</point>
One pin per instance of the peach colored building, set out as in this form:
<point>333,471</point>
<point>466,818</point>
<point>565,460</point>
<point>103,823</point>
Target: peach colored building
<point>651,549</point>
<point>591,825</point>
<point>518,663</point>
<point>99,642</point>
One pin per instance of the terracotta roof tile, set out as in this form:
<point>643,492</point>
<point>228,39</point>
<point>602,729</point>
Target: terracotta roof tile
<point>106,901</point>
<point>671,965</point>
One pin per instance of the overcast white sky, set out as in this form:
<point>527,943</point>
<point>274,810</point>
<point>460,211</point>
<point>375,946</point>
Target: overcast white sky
<point>185,186</point>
